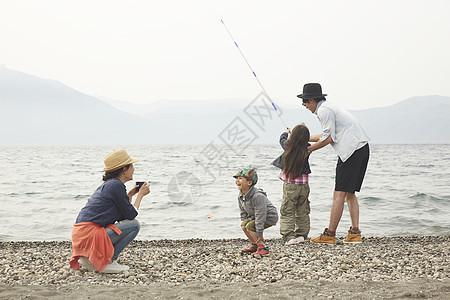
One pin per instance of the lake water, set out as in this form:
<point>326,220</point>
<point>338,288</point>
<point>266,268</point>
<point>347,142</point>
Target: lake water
<point>193,195</point>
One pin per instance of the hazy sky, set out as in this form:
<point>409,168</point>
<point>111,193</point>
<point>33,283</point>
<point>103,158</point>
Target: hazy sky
<point>365,54</point>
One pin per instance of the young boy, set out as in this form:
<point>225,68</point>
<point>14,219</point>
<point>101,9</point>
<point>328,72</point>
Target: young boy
<point>257,212</point>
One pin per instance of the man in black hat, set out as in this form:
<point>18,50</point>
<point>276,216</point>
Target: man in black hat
<point>350,141</point>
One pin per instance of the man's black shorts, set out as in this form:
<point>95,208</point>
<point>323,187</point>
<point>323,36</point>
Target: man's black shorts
<point>350,174</point>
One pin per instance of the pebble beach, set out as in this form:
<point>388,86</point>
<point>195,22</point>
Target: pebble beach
<point>379,268</point>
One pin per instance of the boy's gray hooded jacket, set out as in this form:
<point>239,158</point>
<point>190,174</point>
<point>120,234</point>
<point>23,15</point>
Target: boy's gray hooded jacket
<point>256,206</point>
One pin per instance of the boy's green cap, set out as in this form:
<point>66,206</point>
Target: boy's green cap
<point>249,174</point>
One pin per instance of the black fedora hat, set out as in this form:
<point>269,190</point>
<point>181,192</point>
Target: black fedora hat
<point>311,91</point>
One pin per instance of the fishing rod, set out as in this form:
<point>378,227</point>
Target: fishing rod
<point>254,74</point>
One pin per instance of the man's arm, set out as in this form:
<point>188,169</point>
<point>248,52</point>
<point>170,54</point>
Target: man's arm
<point>319,144</point>
<point>315,138</point>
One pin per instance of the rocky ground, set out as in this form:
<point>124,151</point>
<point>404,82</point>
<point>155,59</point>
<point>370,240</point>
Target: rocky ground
<point>381,267</point>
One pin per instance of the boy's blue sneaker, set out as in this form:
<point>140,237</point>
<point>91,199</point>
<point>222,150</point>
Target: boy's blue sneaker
<point>251,249</point>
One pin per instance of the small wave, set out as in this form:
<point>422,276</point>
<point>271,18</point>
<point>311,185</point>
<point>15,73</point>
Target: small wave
<point>433,211</point>
<point>33,193</point>
<point>10,194</point>
<point>154,182</point>
<point>424,196</point>
<point>370,199</point>
<point>180,203</point>
<point>371,202</point>
<point>418,166</point>
<point>215,207</point>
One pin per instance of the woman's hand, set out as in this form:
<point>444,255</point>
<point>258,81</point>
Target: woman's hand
<point>133,191</point>
<point>144,190</point>
<point>288,130</point>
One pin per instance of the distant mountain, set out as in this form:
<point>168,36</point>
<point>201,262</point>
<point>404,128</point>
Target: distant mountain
<point>195,107</point>
<point>422,119</point>
<point>213,122</point>
<point>41,111</point>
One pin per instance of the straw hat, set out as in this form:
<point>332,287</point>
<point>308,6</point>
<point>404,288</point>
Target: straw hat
<point>116,160</point>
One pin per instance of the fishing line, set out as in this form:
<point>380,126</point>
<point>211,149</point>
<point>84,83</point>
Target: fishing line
<point>254,74</point>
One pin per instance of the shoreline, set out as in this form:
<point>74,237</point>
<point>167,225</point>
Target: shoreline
<point>380,267</point>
